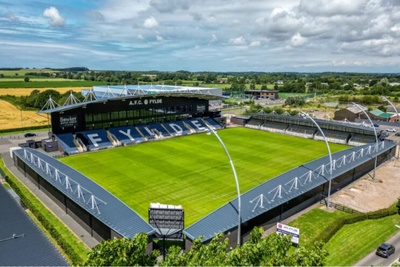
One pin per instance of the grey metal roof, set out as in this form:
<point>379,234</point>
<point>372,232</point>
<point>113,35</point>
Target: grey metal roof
<point>324,124</point>
<point>282,189</point>
<point>22,243</point>
<point>87,194</point>
<point>169,94</point>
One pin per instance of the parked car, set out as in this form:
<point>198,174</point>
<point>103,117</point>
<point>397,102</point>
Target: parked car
<point>397,134</point>
<point>376,125</point>
<point>385,250</point>
<point>393,130</point>
<point>29,135</point>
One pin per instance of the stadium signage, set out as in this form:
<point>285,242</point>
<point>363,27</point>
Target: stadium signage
<point>140,102</point>
<point>289,230</point>
<point>69,121</point>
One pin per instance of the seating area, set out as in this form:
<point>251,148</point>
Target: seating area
<point>95,139</point>
<point>127,135</point>
<point>333,136</point>
<point>358,140</point>
<point>301,131</point>
<point>274,127</point>
<point>254,124</point>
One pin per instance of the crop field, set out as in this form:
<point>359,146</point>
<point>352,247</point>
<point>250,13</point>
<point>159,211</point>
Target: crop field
<point>27,91</point>
<point>50,83</point>
<point>12,117</point>
<point>193,171</point>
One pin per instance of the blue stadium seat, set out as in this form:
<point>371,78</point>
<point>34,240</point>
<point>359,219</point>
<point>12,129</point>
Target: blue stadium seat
<point>213,123</point>
<point>67,143</point>
<point>196,124</point>
<point>95,139</point>
<point>176,128</point>
<point>127,134</point>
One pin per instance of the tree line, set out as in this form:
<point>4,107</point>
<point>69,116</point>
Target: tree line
<point>274,250</point>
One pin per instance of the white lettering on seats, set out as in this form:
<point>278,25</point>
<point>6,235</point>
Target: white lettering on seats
<point>198,125</point>
<point>127,134</point>
<point>176,128</point>
<point>94,138</point>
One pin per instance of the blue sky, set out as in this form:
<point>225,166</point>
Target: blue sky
<point>202,35</point>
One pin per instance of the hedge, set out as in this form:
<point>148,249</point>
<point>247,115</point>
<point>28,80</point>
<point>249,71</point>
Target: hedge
<point>335,226</point>
<point>22,129</point>
<point>73,248</point>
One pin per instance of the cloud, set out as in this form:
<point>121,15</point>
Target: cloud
<point>239,41</point>
<point>298,40</point>
<point>11,17</point>
<point>150,23</point>
<point>255,44</point>
<point>54,18</point>
<point>169,6</point>
<point>332,7</point>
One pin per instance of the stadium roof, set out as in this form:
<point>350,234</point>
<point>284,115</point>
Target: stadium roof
<point>281,189</point>
<point>324,124</point>
<point>22,243</point>
<point>87,194</point>
<point>119,92</point>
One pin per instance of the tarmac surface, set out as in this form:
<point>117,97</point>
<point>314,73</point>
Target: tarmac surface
<point>6,142</point>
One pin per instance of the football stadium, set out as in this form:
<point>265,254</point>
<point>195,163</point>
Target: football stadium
<point>151,159</point>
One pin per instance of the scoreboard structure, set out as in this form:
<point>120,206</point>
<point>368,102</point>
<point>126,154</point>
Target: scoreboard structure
<point>168,220</point>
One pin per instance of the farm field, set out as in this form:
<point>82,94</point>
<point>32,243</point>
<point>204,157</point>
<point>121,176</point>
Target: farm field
<point>12,117</point>
<point>193,171</point>
<point>27,91</point>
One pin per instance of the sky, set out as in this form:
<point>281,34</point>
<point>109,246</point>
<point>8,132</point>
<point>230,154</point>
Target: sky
<point>202,35</point>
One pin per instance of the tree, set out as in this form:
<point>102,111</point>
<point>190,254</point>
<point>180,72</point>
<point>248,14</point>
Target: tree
<point>26,79</point>
<point>122,252</point>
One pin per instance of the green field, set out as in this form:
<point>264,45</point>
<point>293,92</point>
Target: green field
<point>193,171</point>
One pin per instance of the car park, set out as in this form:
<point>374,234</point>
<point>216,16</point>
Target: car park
<point>29,135</point>
<point>385,250</point>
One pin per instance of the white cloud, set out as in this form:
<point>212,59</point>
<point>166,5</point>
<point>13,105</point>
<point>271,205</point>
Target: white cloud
<point>159,38</point>
<point>298,40</point>
<point>240,41</point>
<point>255,44</point>
<point>54,18</point>
<point>150,23</point>
<point>214,38</point>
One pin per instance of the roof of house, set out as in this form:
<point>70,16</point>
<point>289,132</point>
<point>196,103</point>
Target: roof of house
<point>22,243</point>
<point>381,114</point>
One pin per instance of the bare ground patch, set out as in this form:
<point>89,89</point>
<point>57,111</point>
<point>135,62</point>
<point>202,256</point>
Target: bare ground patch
<point>367,194</point>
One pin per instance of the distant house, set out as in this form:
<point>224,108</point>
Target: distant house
<point>223,80</point>
<point>262,94</point>
<point>394,84</point>
<point>353,113</point>
<point>279,82</point>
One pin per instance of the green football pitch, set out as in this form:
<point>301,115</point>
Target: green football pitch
<point>194,171</point>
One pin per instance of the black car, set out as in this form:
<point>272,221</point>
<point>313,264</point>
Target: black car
<point>29,135</point>
<point>385,250</point>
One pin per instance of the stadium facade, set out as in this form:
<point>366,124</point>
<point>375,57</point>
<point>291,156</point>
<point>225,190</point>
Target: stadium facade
<point>122,115</point>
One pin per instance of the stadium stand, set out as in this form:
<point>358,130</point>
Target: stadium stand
<point>274,127</point>
<point>152,131</point>
<point>196,125</point>
<point>359,139</point>
<point>67,143</point>
<point>176,128</point>
<point>301,131</point>
<point>95,139</point>
<point>213,123</point>
<point>127,134</point>
<point>333,136</point>
<point>254,124</point>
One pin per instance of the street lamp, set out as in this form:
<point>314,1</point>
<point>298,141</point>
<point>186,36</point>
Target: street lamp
<point>328,204</point>
<point>376,136</point>
<point>236,180</point>
<point>387,100</point>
